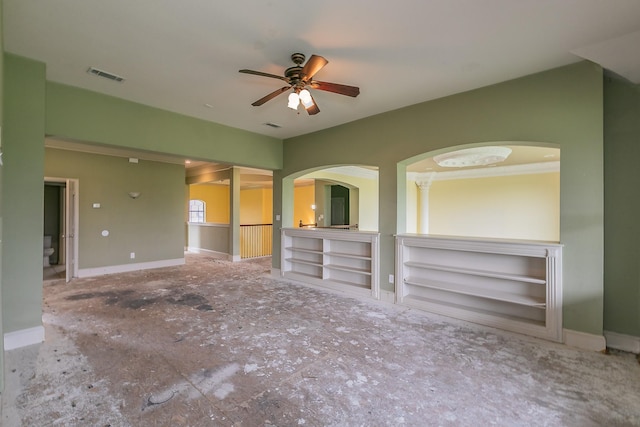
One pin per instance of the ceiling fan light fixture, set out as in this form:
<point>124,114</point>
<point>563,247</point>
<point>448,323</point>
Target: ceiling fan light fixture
<point>305,98</point>
<point>294,101</point>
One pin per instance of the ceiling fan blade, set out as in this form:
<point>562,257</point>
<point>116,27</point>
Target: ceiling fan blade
<point>313,65</point>
<point>272,95</point>
<point>313,109</point>
<point>336,88</point>
<point>260,73</point>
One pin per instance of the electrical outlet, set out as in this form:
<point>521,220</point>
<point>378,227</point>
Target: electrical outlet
<point>391,278</point>
<point>133,255</point>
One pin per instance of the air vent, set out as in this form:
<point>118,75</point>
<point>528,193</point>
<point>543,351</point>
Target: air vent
<point>273,125</point>
<point>105,74</point>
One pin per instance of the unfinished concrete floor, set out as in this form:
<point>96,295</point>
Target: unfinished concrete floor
<point>214,343</point>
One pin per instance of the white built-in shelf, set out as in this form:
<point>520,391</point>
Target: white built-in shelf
<point>479,292</point>
<point>476,272</point>
<point>343,260</point>
<point>302,250</point>
<point>513,285</point>
<point>366,272</point>
<point>478,312</point>
<point>304,261</point>
<point>345,255</point>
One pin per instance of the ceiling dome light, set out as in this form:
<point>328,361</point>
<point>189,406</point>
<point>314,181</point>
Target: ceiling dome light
<point>294,101</point>
<point>478,156</point>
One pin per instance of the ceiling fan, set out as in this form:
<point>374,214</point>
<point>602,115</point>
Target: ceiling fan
<point>298,78</point>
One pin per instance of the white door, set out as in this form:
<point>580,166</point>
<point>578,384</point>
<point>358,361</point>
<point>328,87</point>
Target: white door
<point>71,228</point>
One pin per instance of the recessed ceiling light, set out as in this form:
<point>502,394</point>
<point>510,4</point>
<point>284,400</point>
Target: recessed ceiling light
<point>208,105</point>
<point>187,162</point>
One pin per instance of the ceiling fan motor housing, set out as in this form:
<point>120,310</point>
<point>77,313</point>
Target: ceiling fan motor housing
<point>294,74</point>
<point>298,58</point>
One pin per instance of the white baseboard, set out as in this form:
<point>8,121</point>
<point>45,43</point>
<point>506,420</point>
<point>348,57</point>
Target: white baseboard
<point>215,254</point>
<point>235,258</point>
<point>23,337</point>
<point>125,268</point>
<point>584,340</point>
<point>276,272</point>
<point>623,342</point>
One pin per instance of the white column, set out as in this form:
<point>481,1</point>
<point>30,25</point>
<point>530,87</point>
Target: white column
<point>423,202</point>
<point>234,214</point>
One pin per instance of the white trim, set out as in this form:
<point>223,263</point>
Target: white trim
<point>125,268</point>
<point>23,337</point>
<point>584,340</point>
<point>276,273</point>
<point>623,342</point>
<point>208,224</point>
<point>235,258</point>
<point>216,254</point>
<point>71,263</point>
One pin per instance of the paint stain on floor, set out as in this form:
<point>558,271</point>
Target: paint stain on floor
<point>220,343</point>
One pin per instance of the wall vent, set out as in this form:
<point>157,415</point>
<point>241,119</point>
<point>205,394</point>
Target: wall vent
<point>105,74</point>
<point>273,125</point>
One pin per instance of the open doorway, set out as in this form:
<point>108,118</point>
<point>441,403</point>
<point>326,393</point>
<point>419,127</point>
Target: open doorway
<point>60,229</point>
<point>339,205</point>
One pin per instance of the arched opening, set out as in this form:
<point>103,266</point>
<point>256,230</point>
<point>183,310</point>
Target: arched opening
<point>343,196</point>
<point>517,197</point>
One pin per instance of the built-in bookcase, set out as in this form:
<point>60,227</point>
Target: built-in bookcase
<point>511,285</point>
<point>338,259</point>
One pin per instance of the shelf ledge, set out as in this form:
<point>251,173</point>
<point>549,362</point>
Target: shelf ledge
<point>525,300</point>
<point>474,272</point>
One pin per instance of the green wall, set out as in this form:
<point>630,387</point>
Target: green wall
<point>152,225</point>
<point>622,206</point>
<point>1,173</point>
<point>561,106</point>
<point>92,117</point>
<point>22,192</point>
<point>34,108</point>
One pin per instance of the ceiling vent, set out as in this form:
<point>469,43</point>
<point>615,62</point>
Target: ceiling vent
<point>273,125</point>
<point>105,74</point>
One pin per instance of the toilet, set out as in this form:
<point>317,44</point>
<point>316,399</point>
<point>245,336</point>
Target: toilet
<point>48,251</point>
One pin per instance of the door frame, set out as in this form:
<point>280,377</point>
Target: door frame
<point>71,221</point>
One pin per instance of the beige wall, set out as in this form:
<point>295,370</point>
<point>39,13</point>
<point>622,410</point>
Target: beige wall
<point>513,207</point>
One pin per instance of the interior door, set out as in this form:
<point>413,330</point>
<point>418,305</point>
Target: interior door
<point>71,228</point>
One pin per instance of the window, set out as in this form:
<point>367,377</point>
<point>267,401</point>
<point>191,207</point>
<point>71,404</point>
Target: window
<point>196,211</point>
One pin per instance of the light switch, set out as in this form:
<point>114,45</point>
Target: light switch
<point>96,205</point>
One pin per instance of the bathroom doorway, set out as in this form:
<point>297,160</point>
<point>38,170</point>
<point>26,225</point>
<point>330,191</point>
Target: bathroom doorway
<point>60,229</point>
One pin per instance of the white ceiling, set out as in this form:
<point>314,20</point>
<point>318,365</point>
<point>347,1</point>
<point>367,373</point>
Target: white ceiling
<point>181,55</point>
